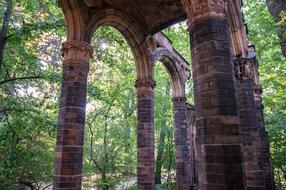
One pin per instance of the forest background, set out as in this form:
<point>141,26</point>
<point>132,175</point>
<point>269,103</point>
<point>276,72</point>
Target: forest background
<point>31,34</point>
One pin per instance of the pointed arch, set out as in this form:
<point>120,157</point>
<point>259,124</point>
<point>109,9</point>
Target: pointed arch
<point>132,31</point>
<point>76,18</point>
<point>173,69</point>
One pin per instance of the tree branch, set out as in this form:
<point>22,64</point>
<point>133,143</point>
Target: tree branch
<point>47,186</point>
<point>14,133</point>
<point>19,78</point>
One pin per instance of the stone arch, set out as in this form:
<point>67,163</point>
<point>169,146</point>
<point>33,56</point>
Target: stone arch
<point>178,72</point>
<point>132,31</point>
<point>171,64</point>
<point>75,14</point>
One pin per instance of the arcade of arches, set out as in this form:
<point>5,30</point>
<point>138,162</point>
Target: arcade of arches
<point>220,142</point>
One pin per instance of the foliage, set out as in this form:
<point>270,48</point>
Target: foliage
<point>28,110</point>
<point>111,140</point>
<point>167,186</point>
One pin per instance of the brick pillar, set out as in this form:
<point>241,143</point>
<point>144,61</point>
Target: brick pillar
<point>69,147</point>
<point>262,149</point>
<point>145,134</point>
<point>181,143</point>
<point>264,143</point>
<point>192,144</point>
<point>249,130</point>
<point>220,160</point>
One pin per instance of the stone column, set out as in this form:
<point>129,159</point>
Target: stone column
<point>181,143</point>
<point>264,149</point>
<point>249,129</point>
<point>70,135</point>
<point>219,149</point>
<point>145,134</point>
<point>192,144</point>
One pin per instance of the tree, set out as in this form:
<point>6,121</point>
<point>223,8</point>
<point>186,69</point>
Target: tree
<point>29,72</point>
<point>277,8</point>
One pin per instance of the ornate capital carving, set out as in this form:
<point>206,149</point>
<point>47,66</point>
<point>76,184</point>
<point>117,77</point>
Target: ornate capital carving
<point>243,68</point>
<point>198,8</point>
<point>180,103</point>
<point>179,100</point>
<point>147,83</point>
<point>77,51</point>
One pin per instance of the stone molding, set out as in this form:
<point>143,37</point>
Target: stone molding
<point>203,8</point>
<point>145,83</point>
<point>77,51</point>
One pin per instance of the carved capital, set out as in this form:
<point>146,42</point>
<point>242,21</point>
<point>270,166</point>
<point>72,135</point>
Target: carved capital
<point>180,103</point>
<point>201,8</point>
<point>77,51</point>
<point>179,100</point>
<point>147,83</point>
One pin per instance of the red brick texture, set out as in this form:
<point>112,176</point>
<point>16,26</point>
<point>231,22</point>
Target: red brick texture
<point>145,134</point>
<point>250,135</point>
<point>192,147</point>
<point>257,160</point>
<point>181,143</point>
<point>220,161</point>
<point>69,147</point>
<point>264,149</point>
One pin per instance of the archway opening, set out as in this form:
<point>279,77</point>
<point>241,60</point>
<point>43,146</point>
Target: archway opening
<point>110,133</point>
<point>179,37</point>
<point>165,156</point>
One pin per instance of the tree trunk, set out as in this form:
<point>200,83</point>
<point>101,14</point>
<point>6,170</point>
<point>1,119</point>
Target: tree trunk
<point>161,145</point>
<point>105,143</point>
<point>275,7</point>
<point>4,29</point>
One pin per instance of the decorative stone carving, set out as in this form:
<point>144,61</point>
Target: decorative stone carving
<point>217,4</point>
<point>196,8</point>
<point>77,51</point>
<point>179,100</point>
<point>247,70</point>
<point>243,68</point>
